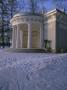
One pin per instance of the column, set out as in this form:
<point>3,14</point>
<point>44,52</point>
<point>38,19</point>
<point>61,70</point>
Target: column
<point>29,45</point>
<point>13,37</point>
<point>21,39</point>
<point>18,37</point>
<point>41,36</point>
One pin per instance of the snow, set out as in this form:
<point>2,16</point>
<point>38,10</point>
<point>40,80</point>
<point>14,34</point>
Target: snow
<point>33,71</point>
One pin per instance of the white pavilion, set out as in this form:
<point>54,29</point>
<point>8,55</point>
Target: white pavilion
<point>40,31</point>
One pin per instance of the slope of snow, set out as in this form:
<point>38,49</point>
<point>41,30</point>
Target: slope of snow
<point>33,71</point>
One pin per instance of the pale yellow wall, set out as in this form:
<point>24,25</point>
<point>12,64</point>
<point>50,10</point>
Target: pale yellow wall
<point>25,39</point>
<point>35,35</point>
<point>50,30</point>
<point>52,34</point>
<point>35,39</point>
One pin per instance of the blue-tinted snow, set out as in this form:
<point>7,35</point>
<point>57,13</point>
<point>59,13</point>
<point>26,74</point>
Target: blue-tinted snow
<point>33,71</point>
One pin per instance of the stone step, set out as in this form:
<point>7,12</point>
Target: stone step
<point>26,50</point>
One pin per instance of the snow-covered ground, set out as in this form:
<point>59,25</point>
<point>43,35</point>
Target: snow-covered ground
<point>33,71</point>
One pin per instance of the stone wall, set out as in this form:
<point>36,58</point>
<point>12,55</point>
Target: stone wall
<point>55,29</point>
<point>61,31</point>
<point>50,28</point>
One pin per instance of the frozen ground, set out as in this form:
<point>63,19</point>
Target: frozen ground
<point>33,71</point>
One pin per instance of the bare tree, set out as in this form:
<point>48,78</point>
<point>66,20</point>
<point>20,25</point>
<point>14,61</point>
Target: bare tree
<point>60,4</point>
<point>33,5</point>
<point>6,12</point>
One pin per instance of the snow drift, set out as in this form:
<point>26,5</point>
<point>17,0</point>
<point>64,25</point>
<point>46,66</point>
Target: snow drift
<point>33,71</point>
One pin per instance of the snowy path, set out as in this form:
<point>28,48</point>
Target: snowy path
<point>33,71</point>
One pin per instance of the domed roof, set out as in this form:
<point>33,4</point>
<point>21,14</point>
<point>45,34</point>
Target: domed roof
<point>26,14</point>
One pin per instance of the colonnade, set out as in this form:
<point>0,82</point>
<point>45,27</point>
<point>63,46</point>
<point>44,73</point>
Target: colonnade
<point>17,37</point>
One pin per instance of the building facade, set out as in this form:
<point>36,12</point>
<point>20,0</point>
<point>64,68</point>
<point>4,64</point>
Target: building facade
<point>40,31</point>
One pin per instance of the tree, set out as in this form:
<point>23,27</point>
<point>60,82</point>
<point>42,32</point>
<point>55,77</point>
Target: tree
<point>6,12</point>
<point>12,7</point>
<point>42,6</point>
<point>2,21</point>
<point>33,6</point>
<point>38,6</point>
<point>60,4</point>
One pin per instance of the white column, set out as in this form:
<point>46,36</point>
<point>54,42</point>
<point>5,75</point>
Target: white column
<point>21,39</point>
<point>29,36</point>
<point>13,37</point>
<point>41,36</point>
<point>12,46</point>
<point>18,37</point>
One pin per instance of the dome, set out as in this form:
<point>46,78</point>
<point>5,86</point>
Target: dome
<point>26,14</point>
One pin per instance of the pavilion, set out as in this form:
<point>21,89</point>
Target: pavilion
<point>47,30</point>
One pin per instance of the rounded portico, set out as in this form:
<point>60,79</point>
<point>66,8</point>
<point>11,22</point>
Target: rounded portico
<point>27,30</point>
